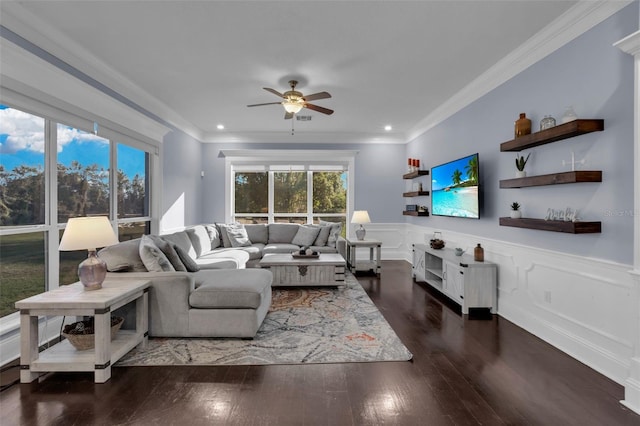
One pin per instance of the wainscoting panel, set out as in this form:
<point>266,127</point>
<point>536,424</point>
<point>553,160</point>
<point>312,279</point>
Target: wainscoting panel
<point>583,306</point>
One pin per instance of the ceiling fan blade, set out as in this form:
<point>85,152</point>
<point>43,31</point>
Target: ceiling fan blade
<point>319,108</point>
<point>275,92</point>
<point>316,96</point>
<point>288,115</point>
<point>268,103</point>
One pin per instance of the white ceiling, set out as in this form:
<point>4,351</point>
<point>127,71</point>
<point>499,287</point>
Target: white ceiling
<point>197,64</point>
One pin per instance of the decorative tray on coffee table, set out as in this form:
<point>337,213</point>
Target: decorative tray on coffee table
<point>305,256</point>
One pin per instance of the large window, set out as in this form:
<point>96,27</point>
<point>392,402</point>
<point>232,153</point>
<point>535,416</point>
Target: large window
<point>297,195</point>
<point>51,171</point>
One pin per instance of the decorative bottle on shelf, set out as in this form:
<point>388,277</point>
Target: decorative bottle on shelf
<point>547,122</point>
<point>522,125</point>
<point>569,115</point>
<point>478,254</point>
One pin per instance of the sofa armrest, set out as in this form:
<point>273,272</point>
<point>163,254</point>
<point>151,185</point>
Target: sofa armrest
<point>168,300</point>
<point>341,247</point>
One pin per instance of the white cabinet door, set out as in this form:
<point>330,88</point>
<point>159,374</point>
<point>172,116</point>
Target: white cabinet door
<point>418,265</point>
<point>453,283</point>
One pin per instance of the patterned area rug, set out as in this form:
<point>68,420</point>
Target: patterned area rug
<point>303,326</point>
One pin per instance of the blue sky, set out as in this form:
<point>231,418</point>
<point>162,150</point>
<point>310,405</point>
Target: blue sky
<point>441,175</point>
<point>22,143</point>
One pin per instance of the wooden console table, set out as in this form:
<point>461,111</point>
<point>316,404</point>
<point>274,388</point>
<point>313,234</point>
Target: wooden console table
<point>73,300</point>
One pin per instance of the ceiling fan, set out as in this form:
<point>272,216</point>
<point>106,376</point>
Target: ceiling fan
<point>294,101</point>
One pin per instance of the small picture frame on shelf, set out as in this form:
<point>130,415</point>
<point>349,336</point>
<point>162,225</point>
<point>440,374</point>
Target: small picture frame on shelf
<point>417,186</point>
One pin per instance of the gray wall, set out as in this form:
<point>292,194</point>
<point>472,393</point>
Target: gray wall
<point>378,167</point>
<point>597,79</point>
<point>181,181</point>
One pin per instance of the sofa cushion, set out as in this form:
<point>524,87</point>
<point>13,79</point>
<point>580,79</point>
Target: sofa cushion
<point>257,233</point>
<point>306,235</point>
<point>323,235</point>
<point>124,253</point>
<point>214,236</point>
<point>182,240</point>
<point>238,259</point>
<point>282,232</point>
<point>200,239</point>
<point>230,289</point>
<point>238,236</point>
<point>334,233</point>
<point>280,248</point>
<point>188,262</point>
<point>152,257</point>
<point>166,247</point>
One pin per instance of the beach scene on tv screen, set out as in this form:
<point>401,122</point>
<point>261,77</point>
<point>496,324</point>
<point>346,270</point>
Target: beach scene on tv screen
<point>454,188</point>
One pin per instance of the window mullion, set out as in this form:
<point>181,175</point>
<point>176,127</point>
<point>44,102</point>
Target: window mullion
<point>113,185</point>
<point>309,196</point>
<point>52,258</point>
<point>271,196</point>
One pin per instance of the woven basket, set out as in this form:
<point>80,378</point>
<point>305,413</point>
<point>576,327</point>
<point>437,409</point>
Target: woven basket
<point>82,342</point>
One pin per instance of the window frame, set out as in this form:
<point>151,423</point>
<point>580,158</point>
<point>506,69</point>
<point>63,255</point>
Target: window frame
<point>276,161</point>
<point>53,115</point>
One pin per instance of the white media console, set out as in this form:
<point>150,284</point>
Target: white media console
<point>468,283</point>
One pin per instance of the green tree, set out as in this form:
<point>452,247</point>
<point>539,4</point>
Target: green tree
<point>472,169</point>
<point>329,192</point>
<point>456,177</point>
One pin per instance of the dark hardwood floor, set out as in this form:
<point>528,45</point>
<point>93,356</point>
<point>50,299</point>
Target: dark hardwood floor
<point>464,372</point>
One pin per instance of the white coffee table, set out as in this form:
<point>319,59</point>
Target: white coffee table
<point>325,270</point>
<point>73,300</point>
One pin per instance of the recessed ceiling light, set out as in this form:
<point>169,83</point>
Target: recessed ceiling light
<point>220,126</point>
<point>388,127</point>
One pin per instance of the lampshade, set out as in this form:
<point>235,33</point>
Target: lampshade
<point>291,105</point>
<point>360,216</point>
<point>87,233</point>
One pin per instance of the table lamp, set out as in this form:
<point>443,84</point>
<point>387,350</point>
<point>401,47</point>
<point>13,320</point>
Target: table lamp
<point>360,217</point>
<point>87,233</point>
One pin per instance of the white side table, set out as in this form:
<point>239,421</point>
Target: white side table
<point>73,300</point>
<point>373,264</point>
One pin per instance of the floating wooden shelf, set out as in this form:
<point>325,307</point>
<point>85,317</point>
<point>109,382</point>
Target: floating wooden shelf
<point>415,194</point>
<point>553,179</point>
<point>553,225</point>
<point>412,213</point>
<point>557,133</point>
<point>415,174</point>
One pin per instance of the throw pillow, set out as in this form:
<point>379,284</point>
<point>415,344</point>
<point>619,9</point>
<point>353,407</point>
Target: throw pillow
<point>166,247</point>
<point>323,235</point>
<point>334,233</point>
<point>124,253</point>
<point>200,239</point>
<point>238,236</point>
<point>214,236</point>
<point>224,236</point>
<point>187,260</point>
<point>305,236</point>
<point>152,257</point>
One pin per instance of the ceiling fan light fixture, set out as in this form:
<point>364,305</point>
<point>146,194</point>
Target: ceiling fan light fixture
<point>292,105</point>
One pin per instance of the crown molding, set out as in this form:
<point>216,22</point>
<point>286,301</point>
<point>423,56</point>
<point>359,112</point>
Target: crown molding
<point>286,137</point>
<point>39,32</point>
<point>576,21</point>
<point>630,44</point>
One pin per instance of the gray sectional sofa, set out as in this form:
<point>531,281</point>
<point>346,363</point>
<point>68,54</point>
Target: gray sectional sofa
<point>206,280</point>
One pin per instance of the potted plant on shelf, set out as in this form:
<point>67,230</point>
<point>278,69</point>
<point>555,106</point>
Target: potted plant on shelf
<point>515,210</point>
<point>520,163</point>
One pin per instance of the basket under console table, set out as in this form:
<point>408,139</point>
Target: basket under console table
<point>470,284</point>
<point>73,300</point>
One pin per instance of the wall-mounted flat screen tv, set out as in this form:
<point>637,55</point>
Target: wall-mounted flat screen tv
<point>455,188</point>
